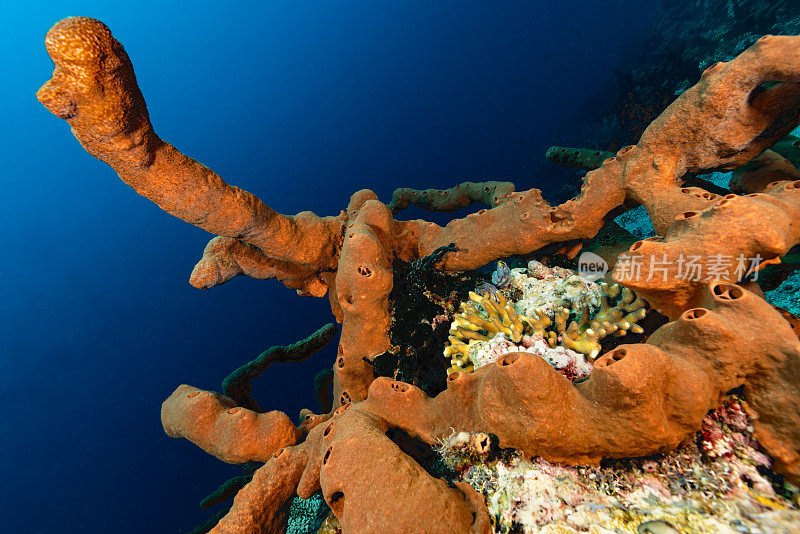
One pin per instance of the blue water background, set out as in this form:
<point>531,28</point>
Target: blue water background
<point>301,103</point>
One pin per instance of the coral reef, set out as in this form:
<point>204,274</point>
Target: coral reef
<point>492,324</point>
<point>544,289</point>
<point>714,483</point>
<point>569,363</point>
<point>640,399</point>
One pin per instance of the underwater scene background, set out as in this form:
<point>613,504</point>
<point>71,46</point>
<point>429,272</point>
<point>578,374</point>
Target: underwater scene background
<point>301,104</point>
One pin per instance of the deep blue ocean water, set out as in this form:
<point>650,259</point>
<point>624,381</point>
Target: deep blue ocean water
<point>301,103</point>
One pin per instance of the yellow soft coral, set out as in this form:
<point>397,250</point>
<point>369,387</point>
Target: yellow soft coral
<point>484,316</point>
<point>584,336</point>
<point>481,318</point>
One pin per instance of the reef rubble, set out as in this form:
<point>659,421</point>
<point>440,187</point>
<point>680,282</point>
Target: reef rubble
<point>641,399</point>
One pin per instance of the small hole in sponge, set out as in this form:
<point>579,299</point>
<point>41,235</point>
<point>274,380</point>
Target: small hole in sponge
<point>327,455</point>
<point>722,291</point>
<point>610,358</point>
<point>399,387</point>
<point>345,398</point>
<point>711,69</point>
<point>336,499</point>
<point>363,270</point>
<point>693,314</point>
<point>507,359</point>
<point>341,409</point>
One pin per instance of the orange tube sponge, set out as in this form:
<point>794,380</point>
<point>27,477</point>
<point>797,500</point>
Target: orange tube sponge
<point>724,121</point>
<point>758,174</point>
<point>225,257</point>
<point>363,284</point>
<point>214,423</point>
<point>736,111</point>
<point>262,506</point>
<point>94,89</point>
<point>640,399</point>
<point>371,501</point>
<point>380,500</point>
<point>718,243</point>
<point>728,118</point>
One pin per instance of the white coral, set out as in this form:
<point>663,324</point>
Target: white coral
<point>546,289</point>
<point>563,359</point>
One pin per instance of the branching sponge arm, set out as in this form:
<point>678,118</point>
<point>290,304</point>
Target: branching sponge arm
<point>233,434</point>
<point>237,384</point>
<point>94,89</point>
